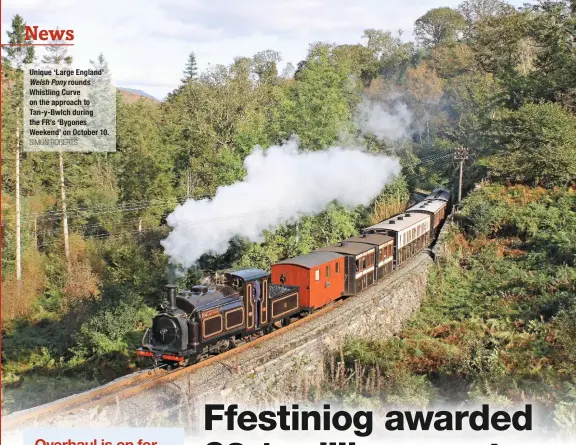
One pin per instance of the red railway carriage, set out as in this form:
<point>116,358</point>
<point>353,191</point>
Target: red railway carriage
<point>384,251</point>
<point>359,266</point>
<point>320,276</point>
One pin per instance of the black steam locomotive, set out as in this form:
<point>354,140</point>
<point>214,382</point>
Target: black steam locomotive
<point>212,319</point>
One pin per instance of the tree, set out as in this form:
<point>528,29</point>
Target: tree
<point>504,48</point>
<point>426,88</point>
<point>475,11</point>
<point>536,144</point>
<point>393,56</point>
<point>16,53</point>
<point>144,164</point>
<point>359,59</point>
<point>454,60</point>
<point>554,62</point>
<point>16,56</point>
<point>56,55</point>
<point>317,107</point>
<point>439,25</point>
<point>264,65</point>
<point>191,70</point>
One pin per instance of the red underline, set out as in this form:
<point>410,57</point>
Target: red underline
<point>37,44</point>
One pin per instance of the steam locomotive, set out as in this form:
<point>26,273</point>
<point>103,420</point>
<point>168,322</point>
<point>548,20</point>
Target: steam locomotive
<point>210,319</point>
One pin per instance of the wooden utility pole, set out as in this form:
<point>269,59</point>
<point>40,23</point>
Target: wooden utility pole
<point>18,236</point>
<point>64,213</point>
<point>461,155</point>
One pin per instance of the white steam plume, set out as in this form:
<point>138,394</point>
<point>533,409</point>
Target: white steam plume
<point>386,121</point>
<point>281,184</point>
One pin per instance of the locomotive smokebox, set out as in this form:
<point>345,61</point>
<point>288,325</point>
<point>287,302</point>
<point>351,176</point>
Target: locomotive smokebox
<point>172,296</point>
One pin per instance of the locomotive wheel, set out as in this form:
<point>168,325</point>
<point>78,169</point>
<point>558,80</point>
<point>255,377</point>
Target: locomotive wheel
<point>285,321</point>
<point>223,345</point>
<point>169,366</point>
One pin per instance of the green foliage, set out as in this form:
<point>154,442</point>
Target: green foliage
<point>144,166</point>
<point>311,232</point>
<point>108,330</point>
<point>17,55</point>
<point>539,145</point>
<point>498,323</point>
<point>438,26</point>
<point>317,108</point>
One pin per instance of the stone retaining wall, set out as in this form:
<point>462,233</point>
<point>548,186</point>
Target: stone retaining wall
<point>279,369</point>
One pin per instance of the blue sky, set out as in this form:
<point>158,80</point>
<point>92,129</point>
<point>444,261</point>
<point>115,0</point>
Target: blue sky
<point>146,42</point>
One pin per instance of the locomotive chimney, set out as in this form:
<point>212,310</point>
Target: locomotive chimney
<point>172,296</point>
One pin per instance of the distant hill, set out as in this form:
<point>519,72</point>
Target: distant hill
<point>131,95</point>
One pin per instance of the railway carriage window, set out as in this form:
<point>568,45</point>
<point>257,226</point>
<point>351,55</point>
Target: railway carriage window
<point>327,271</point>
<point>337,267</point>
<point>317,277</point>
<point>357,264</point>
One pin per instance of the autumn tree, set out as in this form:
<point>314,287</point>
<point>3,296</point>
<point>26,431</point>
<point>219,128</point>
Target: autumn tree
<point>426,89</point>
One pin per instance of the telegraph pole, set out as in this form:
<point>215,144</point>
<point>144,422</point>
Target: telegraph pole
<point>461,155</point>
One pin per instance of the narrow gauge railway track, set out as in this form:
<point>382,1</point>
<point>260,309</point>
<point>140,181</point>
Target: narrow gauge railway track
<point>128,386</point>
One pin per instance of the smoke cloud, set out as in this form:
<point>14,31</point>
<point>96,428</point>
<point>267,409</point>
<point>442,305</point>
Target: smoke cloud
<point>281,185</point>
<point>386,121</point>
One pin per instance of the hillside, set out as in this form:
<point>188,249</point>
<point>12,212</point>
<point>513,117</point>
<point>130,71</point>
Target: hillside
<point>130,95</point>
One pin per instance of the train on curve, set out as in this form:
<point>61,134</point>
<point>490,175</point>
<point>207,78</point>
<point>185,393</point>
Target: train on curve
<point>238,304</point>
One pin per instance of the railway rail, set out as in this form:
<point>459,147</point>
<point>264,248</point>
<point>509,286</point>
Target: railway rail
<point>128,386</point>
